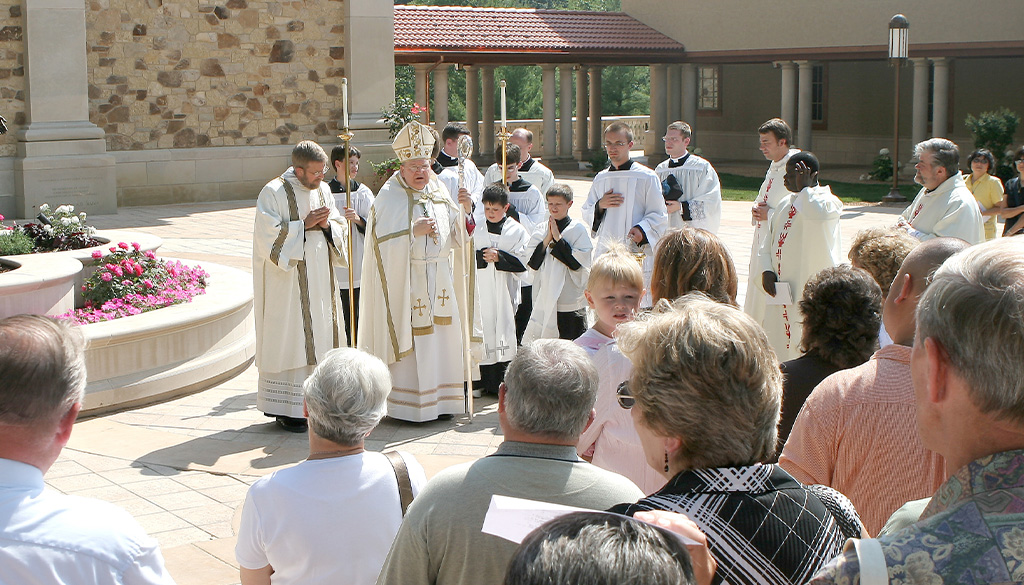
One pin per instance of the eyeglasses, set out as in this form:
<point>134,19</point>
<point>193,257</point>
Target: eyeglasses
<point>417,168</point>
<point>1018,160</point>
<point>668,139</point>
<point>319,173</point>
<point>618,144</point>
<point>626,399</point>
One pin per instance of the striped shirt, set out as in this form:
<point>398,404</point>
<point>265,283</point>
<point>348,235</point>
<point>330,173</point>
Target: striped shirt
<point>857,433</point>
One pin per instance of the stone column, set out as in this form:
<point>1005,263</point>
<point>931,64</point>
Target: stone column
<point>487,100</point>
<point>940,97</point>
<point>582,151</point>
<point>441,97</point>
<point>596,126</point>
<point>565,112</point>
<point>688,75</point>
<point>788,110</point>
<point>369,61</point>
<point>548,82</point>
<point>62,156</point>
<point>421,91</point>
<point>652,146</point>
<point>473,106</point>
<point>675,94</point>
<point>803,115</point>
<point>919,111</point>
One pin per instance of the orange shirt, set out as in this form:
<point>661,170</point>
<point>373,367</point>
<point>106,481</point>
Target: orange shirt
<point>857,433</point>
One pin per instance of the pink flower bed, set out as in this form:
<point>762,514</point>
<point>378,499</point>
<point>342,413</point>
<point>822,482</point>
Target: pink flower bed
<point>133,282</point>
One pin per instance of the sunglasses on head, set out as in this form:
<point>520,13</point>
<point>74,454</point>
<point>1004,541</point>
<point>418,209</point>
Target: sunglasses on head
<point>626,399</point>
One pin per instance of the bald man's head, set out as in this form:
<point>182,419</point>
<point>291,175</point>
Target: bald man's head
<point>911,280</point>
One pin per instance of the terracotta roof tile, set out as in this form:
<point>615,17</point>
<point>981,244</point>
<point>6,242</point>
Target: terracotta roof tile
<point>456,28</point>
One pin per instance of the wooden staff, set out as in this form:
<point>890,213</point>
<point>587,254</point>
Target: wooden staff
<point>346,137</point>
<point>465,147</point>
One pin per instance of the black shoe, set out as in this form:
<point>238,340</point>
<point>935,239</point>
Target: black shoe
<point>291,424</point>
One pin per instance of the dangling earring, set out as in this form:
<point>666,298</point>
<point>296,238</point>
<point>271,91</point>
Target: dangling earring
<point>666,460</point>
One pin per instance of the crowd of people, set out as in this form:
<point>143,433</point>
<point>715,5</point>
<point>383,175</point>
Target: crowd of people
<point>858,422</point>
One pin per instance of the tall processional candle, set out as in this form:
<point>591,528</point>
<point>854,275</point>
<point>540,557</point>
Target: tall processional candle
<point>344,103</point>
<point>504,119</point>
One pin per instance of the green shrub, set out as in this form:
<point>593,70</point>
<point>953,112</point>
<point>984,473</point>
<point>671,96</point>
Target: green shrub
<point>14,242</point>
<point>881,167</point>
<point>994,131</point>
<point>598,161</point>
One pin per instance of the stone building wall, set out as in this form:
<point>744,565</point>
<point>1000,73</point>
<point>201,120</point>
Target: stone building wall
<point>12,74</point>
<point>166,74</point>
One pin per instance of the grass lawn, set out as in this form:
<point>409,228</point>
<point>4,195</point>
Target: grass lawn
<point>739,188</point>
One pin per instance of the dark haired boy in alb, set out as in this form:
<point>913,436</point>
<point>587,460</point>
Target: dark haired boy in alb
<point>561,251</point>
<point>501,263</point>
<point>362,200</point>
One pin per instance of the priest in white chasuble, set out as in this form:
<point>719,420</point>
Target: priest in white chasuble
<point>414,264</point>
<point>299,243</point>
<point>689,184</point>
<point>804,239</point>
<point>625,203</point>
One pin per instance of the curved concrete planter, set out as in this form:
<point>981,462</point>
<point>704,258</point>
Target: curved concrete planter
<point>174,351</point>
<point>40,284</point>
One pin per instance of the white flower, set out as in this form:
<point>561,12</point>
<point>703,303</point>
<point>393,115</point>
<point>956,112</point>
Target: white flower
<point>82,216</point>
<point>883,152</point>
<point>76,221</point>
<point>64,209</point>
<point>65,221</point>
<point>48,229</point>
<point>44,208</point>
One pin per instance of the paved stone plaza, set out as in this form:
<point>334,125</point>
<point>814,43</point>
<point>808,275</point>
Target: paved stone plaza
<point>182,467</point>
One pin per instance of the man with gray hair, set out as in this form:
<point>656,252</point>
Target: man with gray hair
<point>969,390</point>
<point>544,404</point>
<point>46,537</point>
<point>299,240</point>
<point>944,206</point>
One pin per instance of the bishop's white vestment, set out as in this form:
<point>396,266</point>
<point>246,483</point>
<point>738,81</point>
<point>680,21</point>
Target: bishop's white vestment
<point>642,206</point>
<point>295,300</point>
<point>803,239</point>
<point>949,211</point>
<point>696,187</point>
<point>411,306</point>
<point>772,192</point>
<point>498,286</point>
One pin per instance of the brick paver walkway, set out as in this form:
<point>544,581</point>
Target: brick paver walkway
<point>182,467</point>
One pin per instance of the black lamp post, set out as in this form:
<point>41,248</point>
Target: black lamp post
<point>899,40</point>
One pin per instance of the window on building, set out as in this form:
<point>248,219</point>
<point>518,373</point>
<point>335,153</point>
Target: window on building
<point>819,96</point>
<point>708,80</point>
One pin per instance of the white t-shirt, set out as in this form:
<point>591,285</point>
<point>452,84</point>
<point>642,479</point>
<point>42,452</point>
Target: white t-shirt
<point>324,521</point>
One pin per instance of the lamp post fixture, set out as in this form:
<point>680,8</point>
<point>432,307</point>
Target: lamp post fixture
<point>899,40</point>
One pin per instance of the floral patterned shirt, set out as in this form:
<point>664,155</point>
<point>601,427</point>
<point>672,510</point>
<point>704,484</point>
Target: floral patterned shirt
<point>971,532</point>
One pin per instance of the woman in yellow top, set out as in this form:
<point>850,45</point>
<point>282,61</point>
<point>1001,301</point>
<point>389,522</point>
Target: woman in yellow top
<point>988,190</point>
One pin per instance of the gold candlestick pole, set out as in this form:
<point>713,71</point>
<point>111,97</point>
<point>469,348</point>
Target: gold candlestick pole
<point>503,135</point>
<point>346,137</point>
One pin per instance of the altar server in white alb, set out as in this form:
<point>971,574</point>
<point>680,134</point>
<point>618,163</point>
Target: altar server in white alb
<point>501,264</point>
<point>527,202</point>
<point>448,159</point>
<point>625,203</point>
<point>804,239</point>
<point>560,257</point>
<point>531,169</point>
<point>944,207</point>
<point>362,199</point>
<point>299,243</point>
<point>774,139</point>
<point>689,184</point>
<point>411,310</point>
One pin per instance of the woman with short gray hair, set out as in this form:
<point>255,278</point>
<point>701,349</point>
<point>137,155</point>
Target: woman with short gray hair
<point>705,394</point>
<point>333,517</point>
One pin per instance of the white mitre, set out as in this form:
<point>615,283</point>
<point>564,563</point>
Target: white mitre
<point>414,141</point>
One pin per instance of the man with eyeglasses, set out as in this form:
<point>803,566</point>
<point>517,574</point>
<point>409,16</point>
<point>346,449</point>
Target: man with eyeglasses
<point>625,204</point>
<point>298,244</point>
<point>411,305</point>
<point>689,184</point>
<point>944,206</point>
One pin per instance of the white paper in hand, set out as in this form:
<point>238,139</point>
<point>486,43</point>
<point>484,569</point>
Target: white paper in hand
<point>783,295</point>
